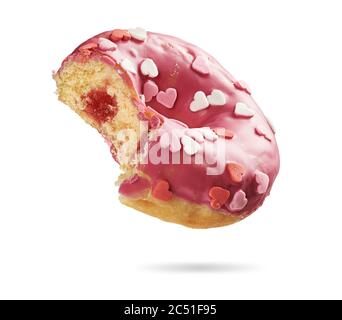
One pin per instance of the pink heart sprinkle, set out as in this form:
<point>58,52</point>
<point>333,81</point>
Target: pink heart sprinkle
<point>262,181</point>
<point>238,202</point>
<point>150,90</point>
<point>167,98</point>
<point>200,64</point>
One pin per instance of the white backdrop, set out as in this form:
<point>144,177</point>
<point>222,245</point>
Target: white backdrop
<point>63,233</point>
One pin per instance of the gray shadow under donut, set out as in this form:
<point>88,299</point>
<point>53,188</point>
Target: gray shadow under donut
<point>199,267</point>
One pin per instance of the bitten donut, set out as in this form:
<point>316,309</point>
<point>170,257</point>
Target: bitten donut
<point>193,146</point>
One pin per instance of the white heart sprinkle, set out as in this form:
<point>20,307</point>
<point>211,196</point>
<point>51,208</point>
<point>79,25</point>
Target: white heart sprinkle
<point>190,146</point>
<point>217,98</point>
<point>105,44</point>
<point>208,134</point>
<point>149,68</point>
<point>242,110</point>
<point>128,65</point>
<point>195,134</point>
<point>200,102</point>
<point>138,34</point>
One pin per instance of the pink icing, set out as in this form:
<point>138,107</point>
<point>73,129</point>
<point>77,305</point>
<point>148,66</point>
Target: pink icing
<point>188,69</point>
<point>134,186</point>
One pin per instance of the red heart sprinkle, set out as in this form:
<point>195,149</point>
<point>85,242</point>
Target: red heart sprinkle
<point>119,34</point>
<point>235,172</point>
<point>162,191</point>
<point>219,197</point>
<point>224,133</point>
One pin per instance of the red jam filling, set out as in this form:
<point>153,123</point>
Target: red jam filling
<point>100,106</point>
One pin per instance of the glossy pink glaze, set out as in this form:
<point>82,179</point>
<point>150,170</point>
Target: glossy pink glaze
<point>134,186</point>
<point>174,59</point>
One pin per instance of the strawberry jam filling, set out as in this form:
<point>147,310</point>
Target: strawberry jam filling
<point>100,105</point>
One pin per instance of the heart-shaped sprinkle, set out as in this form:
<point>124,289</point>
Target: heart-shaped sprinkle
<point>119,34</point>
<point>128,65</point>
<point>262,180</point>
<point>195,134</point>
<point>190,146</point>
<point>200,64</point>
<point>235,172</point>
<point>150,90</point>
<point>242,110</point>
<point>261,131</point>
<point>217,98</point>
<point>219,197</point>
<point>208,134</point>
<point>139,34</point>
<point>238,202</point>
<point>105,44</point>
<point>148,68</point>
<point>167,98</point>
<point>161,191</point>
<point>241,85</point>
<point>224,133</point>
<point>200,102</point>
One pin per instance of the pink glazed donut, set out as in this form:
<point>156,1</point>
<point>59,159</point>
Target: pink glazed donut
<point>193,146</point>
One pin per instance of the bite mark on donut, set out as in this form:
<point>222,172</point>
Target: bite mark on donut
<point>100,105</point>
<point>219,197</point>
